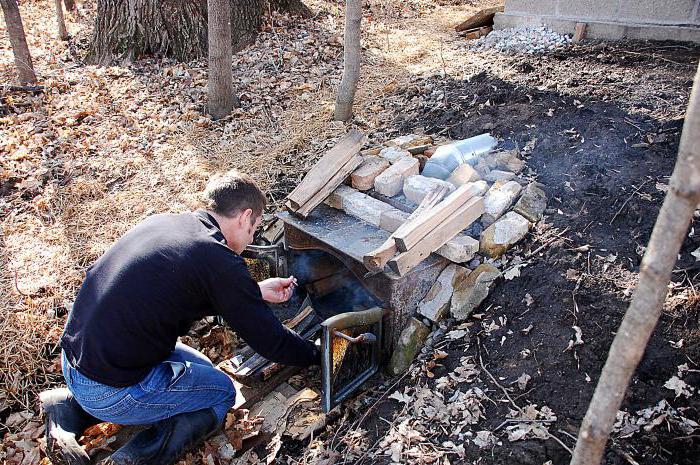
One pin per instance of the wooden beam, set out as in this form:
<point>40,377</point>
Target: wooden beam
<point>378,258</point>
<point>482,18</point>
<point>416,230</point>
<point>443,232</point>
<point>326,168</point>
<point>325,190</point>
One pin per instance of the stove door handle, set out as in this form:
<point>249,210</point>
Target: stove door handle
<point>364,338</point>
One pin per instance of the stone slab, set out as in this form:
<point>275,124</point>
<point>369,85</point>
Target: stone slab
<point>498,175</point>
<point>410,342</point>
<point>363,177</point>
<point>469,294</point>
<point>416,187</point>
<point>437,301</point>
<point>459,249</point>
<point>503,234</point>
<point>532,203</point>
<point>394,154</point>
<point>335,200</point>
<point>463,174</point>
<point>390,181</point>
<point>364,207</point>
<point>391,220</point>
<point>498,200</point>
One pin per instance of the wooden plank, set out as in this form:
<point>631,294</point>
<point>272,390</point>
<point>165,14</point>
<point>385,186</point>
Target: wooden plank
<point>417,230</point>
<point>580,32</point>
<point>335,181</point>
<point>246,396</point>
<point>482,18</point>
<point>326,167</point>
<point>443,232</point>
<point>378,258</point>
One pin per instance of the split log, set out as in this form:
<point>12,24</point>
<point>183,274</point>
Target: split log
<point>443,232</point>
<point>480,19</point>
<point>375,260</point>
<point>414,232</point>
<point>326,190</point>
<point>326,167</point>
<point>647,301</point>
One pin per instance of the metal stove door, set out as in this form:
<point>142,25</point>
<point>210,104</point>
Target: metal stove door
<point>351,347</point>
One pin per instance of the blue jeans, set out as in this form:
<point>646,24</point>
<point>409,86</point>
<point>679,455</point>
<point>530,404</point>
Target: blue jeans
<point>185,382</point>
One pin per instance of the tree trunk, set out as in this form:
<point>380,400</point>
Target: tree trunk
<point>351,55</point>
<point>61,21</point>
<point>70,5</point>
<point>294,7</point>
<point>126,30</point>
<point>647,302</point>
<point>220,59</point>
<point>15,30</point>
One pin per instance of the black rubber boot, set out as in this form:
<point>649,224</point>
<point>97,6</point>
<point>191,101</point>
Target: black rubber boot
<point>166,441</point>
<point>65,422</point>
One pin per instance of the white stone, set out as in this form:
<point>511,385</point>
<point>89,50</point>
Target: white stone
<point>394,154</point>
<point>469,294</point>
<point>459,249</point>
<point>401,140</point>
<point>390,181</point>
<point>499,175</point>
<point>498,199</point>
<point>416,187</point>
<point>364,207</point>
<point>503,234</point>
<point>336,199</point>
<point>392,219</point>
<point>463,174</point>
<point>437,301</point>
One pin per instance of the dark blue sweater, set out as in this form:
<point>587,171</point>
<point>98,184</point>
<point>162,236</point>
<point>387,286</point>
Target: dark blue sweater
<point>152,284</point>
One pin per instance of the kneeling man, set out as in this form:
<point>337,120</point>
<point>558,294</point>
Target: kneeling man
<point>121,357</point>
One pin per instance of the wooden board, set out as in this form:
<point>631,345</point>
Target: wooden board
<point>379,257</point>
<point>482,18</point>
<point>443,232</point>
<point>326,167</point>
<point>408,237</point>
<point>331,184</point>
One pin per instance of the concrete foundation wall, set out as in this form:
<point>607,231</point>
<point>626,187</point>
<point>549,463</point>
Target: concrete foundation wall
<point>609,19</point>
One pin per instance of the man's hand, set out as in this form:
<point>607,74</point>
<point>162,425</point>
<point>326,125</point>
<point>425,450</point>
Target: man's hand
<point>277,290</point>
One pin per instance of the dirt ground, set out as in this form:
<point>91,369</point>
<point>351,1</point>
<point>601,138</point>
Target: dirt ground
<point>600,124</point>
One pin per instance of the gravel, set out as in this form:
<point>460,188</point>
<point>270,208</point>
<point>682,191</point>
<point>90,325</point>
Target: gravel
<point>532,40</point>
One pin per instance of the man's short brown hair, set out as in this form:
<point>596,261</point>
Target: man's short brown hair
<point>232,192</point>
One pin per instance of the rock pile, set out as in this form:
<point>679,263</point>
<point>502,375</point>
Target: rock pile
<point>530,40</point>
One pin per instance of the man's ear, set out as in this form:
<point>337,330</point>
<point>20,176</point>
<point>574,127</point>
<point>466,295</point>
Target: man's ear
<point>246,218</point>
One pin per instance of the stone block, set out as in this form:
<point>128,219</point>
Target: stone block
<point>416,187</point>
<point>463,174</point>
<point>503,234</point>
<point>536,7</point>
<point>498,200</point>
<point>656,11</point>
<point>390,181</point>
<point>497,175</point>
<point>363,177</point>
<point>508,160</point>
<point>394,154</point>
<point>336,199</point>
<point>532,203</point>
<point>364,207</point>
<point>459,249</point>
<point>390,220</point>
<point>410,342</point>
<point>469,294</point>
<point>437,301</point>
